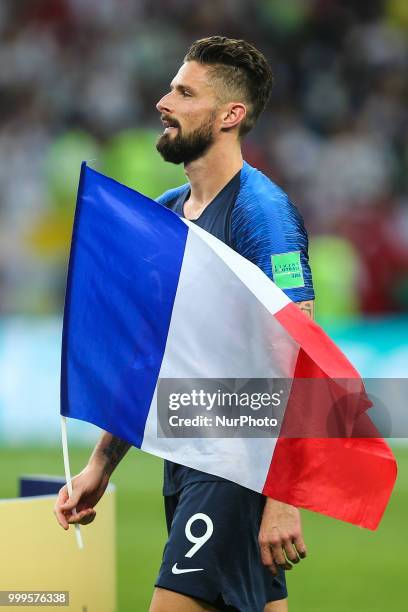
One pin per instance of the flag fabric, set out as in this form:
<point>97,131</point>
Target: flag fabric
<point>151,296</point>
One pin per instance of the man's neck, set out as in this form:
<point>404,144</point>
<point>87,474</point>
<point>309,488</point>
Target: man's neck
<point>209,174</point>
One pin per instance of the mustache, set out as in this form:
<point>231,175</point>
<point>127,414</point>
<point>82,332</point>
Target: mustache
<point>172,122</point>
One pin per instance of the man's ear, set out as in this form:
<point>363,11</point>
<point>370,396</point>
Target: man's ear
<point>233,115</point>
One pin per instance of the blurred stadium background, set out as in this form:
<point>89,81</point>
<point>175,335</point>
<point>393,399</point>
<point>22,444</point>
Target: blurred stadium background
<point>79,80</point>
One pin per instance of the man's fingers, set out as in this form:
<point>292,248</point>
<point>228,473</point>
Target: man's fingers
<point>278,554</point>
<point>71,502</point>
<point>290,551</point>
<point>61,518</point>
<point>66,511</point>
<point>300,546</point>
<point>84,517</point>
<point>89,518</point>
<point>266,554</point>
<point>59,514</point>
<point>280,559</point>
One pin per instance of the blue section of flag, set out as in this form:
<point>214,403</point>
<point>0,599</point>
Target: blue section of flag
<point>126,256</point>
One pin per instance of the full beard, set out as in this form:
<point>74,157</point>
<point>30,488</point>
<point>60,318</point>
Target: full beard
<point>186,149</point>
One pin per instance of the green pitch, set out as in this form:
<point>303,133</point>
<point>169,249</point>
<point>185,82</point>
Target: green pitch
<point>347,568</point>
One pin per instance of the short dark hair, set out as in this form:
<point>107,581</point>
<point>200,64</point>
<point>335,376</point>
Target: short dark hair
<point>241,70</point>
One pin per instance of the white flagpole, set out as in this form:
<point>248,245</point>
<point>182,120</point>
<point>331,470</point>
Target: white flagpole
<point>68,479</point>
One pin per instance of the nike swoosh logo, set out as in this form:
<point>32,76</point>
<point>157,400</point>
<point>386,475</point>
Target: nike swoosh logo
<point>176,570</point>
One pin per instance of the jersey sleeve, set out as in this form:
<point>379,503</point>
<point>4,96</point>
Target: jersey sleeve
<point>268,230</point>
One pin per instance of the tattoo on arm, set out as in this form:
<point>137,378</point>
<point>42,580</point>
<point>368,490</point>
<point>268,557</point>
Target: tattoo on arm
<point>307,308</point>
<point>114,453</point>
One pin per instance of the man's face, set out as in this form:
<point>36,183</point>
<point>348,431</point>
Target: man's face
<point>188,113</point>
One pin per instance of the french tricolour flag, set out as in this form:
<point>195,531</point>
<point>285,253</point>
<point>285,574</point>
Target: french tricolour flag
<point>152,296</point>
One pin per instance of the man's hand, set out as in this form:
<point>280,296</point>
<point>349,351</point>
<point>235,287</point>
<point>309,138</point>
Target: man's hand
<point>87,489</point>
<point>90,484</point>
<point>280,536</point>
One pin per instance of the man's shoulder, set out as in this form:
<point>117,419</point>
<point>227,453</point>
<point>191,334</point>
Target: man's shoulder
<point>171,194</point>
<point>264,220</point>
<point>261,201</point>
<point>266,226</point>
<point>259,190</point>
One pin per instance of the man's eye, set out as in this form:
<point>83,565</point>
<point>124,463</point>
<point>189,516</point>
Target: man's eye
<point>186,94</point>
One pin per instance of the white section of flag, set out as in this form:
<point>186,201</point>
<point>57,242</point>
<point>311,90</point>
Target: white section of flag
<point>230,335</point>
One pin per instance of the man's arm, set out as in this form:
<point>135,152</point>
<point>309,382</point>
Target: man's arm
<point>109,452</point>
<point>90,484</point>
<point>307,308</point>
<point>280,536</point>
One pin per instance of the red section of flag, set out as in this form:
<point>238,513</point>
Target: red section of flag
<point>348,478</point>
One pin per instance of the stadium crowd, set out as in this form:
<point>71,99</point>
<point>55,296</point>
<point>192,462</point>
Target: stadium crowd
<point>79,80</point>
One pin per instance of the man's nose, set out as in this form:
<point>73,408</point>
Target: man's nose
<point>163,105</point>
